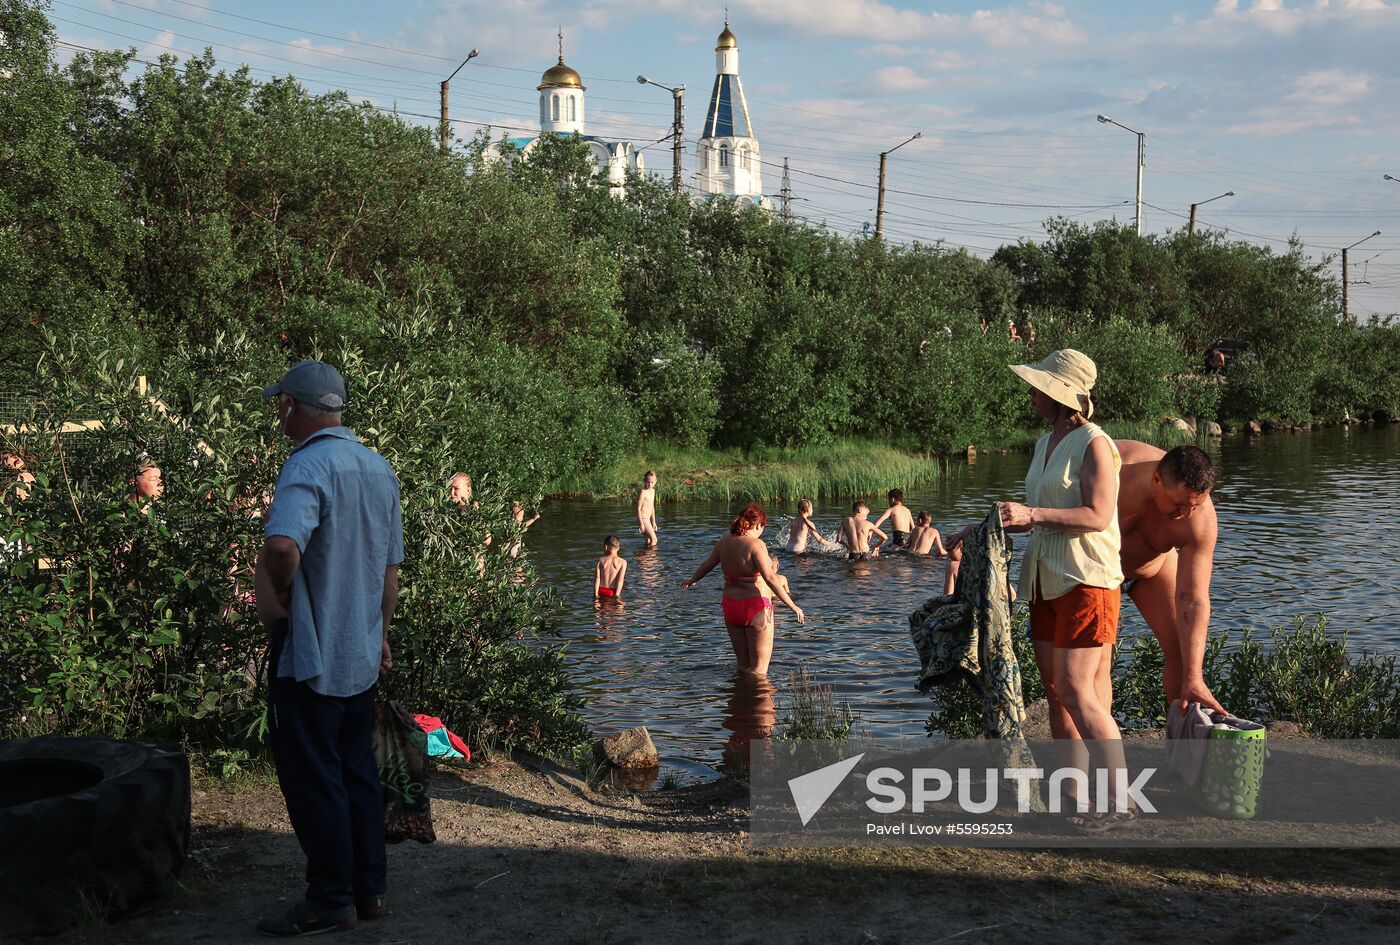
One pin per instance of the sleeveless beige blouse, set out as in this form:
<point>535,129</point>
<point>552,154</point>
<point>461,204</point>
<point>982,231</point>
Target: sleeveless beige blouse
<point>1058,559</point>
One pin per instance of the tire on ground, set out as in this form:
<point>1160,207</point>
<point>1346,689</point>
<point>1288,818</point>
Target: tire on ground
<point>86,826</point>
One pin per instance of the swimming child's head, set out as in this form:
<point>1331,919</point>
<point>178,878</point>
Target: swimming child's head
<point>896,496</point>
<point>860,508</point>
<point>611,544</point>
<point>752,517</point>
<point>804,506</point>
<point>923,519</point>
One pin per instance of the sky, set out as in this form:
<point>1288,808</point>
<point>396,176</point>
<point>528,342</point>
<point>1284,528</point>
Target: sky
<point>1292,104</point>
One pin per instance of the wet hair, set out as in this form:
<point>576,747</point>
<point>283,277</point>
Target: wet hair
<point>860,505</point>
<point>924,517</point>
<point>752,517</point>
<point>612,543</point>
<point>804,504</point>
<point>896,495</point>
<point>1188,466</point>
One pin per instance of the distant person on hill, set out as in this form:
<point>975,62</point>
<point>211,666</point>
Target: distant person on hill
<point>610,571</point>
<point>459,489</point>
<point>744,559</point>
<point>1215,360</point>
<point>856,532</point>
<point>1011,331</point>
<point>147,486</point>
<point>1169,533</point>
<point>925,538</point>
<point>901,522</point>
<point>802,527</point>
<point>646,509</point>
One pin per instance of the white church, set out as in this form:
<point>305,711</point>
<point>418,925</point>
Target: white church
<point>728,161</point>
<point>727,158</point>
<point>561,91</point>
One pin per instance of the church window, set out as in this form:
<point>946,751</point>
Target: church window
<point>724,155</point>
<point>573,108</point>
<point>744,158</point>
<point>544,109</point>
<point>704,159</point>
<point>554,108</point>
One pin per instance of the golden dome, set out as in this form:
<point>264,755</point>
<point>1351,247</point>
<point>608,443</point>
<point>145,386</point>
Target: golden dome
<point>727,40</point>
<point>561,76</point>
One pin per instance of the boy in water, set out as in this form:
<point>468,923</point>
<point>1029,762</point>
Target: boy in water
<point>610,571</point>
<point>802,527</point>
<point>646,509</point>
<point>901,522</point>
<point>856,532</point>
<point>925,538</point>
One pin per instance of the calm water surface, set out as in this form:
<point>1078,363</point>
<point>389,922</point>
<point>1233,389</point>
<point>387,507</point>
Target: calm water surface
<point>1306,526</point>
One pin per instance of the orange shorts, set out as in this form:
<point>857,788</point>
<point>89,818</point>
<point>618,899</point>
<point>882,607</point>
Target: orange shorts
<point>1086,616</point>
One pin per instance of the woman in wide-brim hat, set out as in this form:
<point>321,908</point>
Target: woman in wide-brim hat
<point>1070,573</point>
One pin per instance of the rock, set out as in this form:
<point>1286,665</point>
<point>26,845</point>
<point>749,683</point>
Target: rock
<point>1213,429</point>
<point>1252,428</point>
<point>1284,729</point>
<point>1180,425</point>
<point>1037,724</point>
<point>630,749</point>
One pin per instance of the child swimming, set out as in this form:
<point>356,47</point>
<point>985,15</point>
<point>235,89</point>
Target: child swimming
<point>610,571</point>
<point>856,532</point>
<point>901,522</point>
<point>802,527</point>
<point>924,539</point>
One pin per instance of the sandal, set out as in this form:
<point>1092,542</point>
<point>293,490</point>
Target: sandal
<point>1095,824</point>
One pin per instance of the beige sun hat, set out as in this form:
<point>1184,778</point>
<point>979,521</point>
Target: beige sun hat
<point>1066,376</point>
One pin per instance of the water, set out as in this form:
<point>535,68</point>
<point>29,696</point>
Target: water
<point>1306,526</point>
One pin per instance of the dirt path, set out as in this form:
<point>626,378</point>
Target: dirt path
<point>523,858</point>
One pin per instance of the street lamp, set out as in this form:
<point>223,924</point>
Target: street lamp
<point>1191,224</point>
<point>677,126</point>
<point>880,201</point>
<point>1141,156</point>
<point>1396,179</point>
<point>1346,274</point>
<point>442,98</point>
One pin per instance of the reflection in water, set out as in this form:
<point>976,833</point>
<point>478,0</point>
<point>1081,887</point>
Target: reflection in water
<point>1304,527</point>
<point>749,713</point>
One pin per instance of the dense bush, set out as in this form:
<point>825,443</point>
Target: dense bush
<point>131,623</point>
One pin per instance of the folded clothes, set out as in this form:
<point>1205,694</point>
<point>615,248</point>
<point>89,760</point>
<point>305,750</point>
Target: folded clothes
<point>441,742</point>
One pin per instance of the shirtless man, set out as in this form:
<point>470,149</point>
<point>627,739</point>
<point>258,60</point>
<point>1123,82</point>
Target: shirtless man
<point>856,532</point>
<point>901,522</point>
<point>1169,529</point>
<point>646,509</point>
<point>924,539</point>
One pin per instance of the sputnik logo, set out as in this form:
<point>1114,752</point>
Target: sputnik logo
<point>810,791</point>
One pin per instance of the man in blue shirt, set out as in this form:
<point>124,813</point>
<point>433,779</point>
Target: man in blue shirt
<point>327,585</point>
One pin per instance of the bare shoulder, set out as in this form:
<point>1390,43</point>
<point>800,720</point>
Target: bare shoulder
<point>1136,451</point>
<point>1203,525</point>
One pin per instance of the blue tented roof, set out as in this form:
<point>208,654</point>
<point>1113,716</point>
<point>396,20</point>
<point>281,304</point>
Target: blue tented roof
<point>729,113</point>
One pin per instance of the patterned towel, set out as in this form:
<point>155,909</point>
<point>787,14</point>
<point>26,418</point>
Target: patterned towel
<point>966,635</point>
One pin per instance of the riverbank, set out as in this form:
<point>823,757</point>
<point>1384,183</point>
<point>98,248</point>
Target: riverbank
<point>523,857</point>
<point>847,467</point>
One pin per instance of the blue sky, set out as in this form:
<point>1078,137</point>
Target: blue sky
<point>1293,104</point>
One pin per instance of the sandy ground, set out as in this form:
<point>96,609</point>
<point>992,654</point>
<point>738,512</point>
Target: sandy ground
<point>525,856</point>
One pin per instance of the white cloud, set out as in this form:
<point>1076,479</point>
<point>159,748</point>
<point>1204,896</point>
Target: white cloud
<point>1329,87</point>
<point>897,80</point>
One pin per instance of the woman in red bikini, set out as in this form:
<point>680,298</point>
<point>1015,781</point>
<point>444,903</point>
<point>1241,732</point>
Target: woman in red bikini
<point>743,558</point>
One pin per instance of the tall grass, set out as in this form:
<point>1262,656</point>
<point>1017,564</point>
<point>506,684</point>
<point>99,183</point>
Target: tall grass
<point>840,468</point>
<point>811,711</point>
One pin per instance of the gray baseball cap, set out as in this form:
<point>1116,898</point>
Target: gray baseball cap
<point>311,382</point>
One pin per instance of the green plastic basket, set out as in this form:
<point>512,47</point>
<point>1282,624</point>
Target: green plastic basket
<point>1234,765</point>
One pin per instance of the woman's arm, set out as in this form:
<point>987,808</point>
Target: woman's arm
<point>769,574</point>
<point>705,568</point>
<point>1098,490</point>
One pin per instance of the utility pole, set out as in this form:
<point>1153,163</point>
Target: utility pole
<point>443,120</point>
<point>1191,223</point>
<point>1141,161</point>
<point>785,195</point>
<point>678,96</point>
<point>677,129</point>
<point>880,199</point>
<point>1346,274</point>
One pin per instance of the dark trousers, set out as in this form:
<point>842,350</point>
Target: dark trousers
<point>324,752</point>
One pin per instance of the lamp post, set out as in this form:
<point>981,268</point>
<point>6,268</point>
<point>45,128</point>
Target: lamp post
<point>442,98</point>
<point>1141,159</point>
<point>677,127</point>
<point>880,200</point>
<point>1346,273</point>
<point>1191,224</point>
<point>1396,179</point>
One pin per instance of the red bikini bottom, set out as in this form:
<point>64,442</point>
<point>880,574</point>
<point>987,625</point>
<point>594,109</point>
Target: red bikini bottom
<point>740,613</point>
